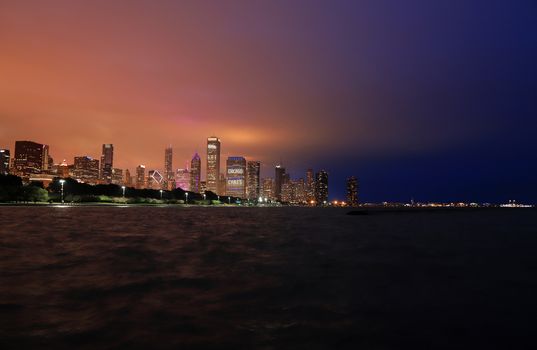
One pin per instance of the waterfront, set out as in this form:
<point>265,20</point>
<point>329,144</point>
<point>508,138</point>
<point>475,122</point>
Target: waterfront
<point>269,278</point>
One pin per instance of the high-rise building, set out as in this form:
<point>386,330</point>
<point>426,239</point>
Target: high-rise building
<point>30,158</point>
<point>213,163</point>
<point>300,193</point>
<point>321,187</point>
<point>117,176</point>
<point>154,180</point>
<point>352,191</point>
<point>140,176</point>
<point>183,179</point>
<point>268,188</point>
<point>203,186</point>
<point>310,185</point>
<point>236,179</point>
<point>107,162</point>
<point>86,169</point>
<point>222,184</point>
<point>4,161</point>
<point>278,181</point>
<point>128,178</point>
<point>195,173</point>
<point>252,178</point>
<point>169,176</point>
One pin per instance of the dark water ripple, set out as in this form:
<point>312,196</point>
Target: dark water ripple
<point>265,278</point>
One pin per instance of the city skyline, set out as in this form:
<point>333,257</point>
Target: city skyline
<point>395,94</point>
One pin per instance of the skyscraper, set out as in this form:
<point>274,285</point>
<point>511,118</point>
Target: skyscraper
<point>182,179</point>
<point>310,185</point>
<point>140,176</point>
<point>268,188</point>
<point>352,191</point>
<point>86,169</point>
<point>107,162</point>
<point>4,161</point>
<point>321,187</point>
<point>169,177</point>
<point>278,181</point>
<point>128,178</point>
<point>30,158</point>
<point>195,173</point>
<point>213,163</point>
<point>154,180</point>
<point>117,176</point>
<point>253,187</point>
<point>236,181</point>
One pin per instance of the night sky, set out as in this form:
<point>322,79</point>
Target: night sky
<point>431,100</point>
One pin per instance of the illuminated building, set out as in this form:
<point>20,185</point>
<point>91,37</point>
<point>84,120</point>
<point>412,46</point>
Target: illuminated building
<point>30,158</point>
<point>128,178</point>
<point>294,192</point>
<point>300,193</point>
<point>252,178</point>
<point>310,185</point>
<point>268,188</point>
<point>183,179</point>
<point>287,192</point>
<point>107,162</point>
<point>140,176</point>
<point>321,187</point>
<point>168,169</point>
<point>86,169</point>
<point>154,180</point>
<point>278,181</point>
<point>195,173</point>
<point>213,163</point>
<point>236,179</point>
<point>117,176</point>
<point>203,186</point>
<point>64,170</point>
<point>352,191</point>
<point>4,161</point>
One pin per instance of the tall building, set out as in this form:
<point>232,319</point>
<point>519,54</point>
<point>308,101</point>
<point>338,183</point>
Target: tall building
<point>4,161</point>
<point>278,181</point>
<point>352,191</point>
<point>107,162</point>
<point>252,176</point>
<point>310,185</point>
<point>268,188</point>
<point>30,158</point>
<point>321,187</point>
<point>222,184</point>
<point>183,179</point>
<point>169,176</point>
<point>154,180</point>
<point>213,163</point>
<point>117,176</point>
<point>236,179</point>
<point>128,178</point>
<point>140,176</point>
<point>195,173</point>
<point>86,169</point>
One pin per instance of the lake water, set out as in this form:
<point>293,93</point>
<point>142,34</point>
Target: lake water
<point>266,278</point>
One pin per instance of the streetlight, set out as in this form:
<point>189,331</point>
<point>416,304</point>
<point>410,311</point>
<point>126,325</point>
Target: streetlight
<point>186,197</point>
<point>218,198</point>
<point>123,189</point>
<point>62,181</point>
<point>204,196</point>
<point>160,194</point>
<point>229,200</point>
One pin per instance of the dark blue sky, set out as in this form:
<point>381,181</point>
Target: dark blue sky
<point>431,100</point>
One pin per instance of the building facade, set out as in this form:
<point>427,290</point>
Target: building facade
<point>213,164</point>
<point>279,173</point>
<point>195,173</point>
<point>310,185</point>
<point>253,180</point>
<point>4,161</point>
<point>352,191</point>
<point>107,163</point>
<point>268,189</point>
<point>183,179</point>
<point>169,176</point>
<point>140,176</point>
<point>321,187</point>
<point>30,158</point>
<point>236,177</point>
<point>86,169</point>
